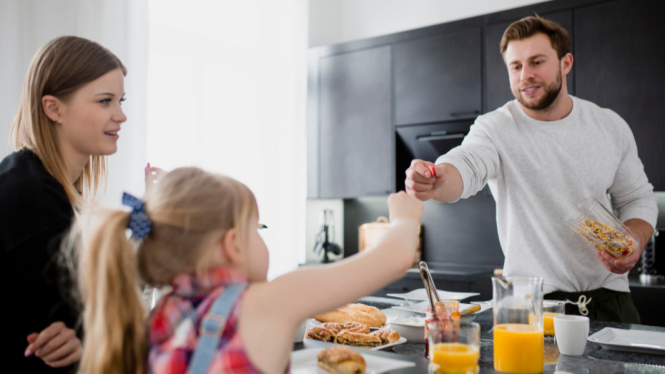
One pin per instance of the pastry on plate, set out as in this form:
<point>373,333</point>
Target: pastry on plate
<point>341,360</point>
<point>386,336</point>
<point>349,326</point>
<point>320,333</point>
<point>367,315</point>
<point>358,339</point>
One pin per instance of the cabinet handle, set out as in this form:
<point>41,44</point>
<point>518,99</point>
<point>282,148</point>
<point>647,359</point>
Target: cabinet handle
<point>465,114</point>
<point>428,138</point>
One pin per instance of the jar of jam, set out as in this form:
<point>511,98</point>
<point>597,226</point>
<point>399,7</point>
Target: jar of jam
<point>447,313</point>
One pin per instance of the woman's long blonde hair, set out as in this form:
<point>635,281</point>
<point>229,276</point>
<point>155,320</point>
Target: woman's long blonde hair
<point>188,208</point>
<point>59,68</point>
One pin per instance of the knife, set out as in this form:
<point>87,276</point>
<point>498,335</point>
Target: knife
<point>470,310</point>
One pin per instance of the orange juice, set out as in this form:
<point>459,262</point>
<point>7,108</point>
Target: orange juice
<point>518,348</point>
<point>455,358</point>
<point>548,318</point>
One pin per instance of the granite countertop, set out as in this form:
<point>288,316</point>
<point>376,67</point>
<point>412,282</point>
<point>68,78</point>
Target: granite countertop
<point>595,359</point>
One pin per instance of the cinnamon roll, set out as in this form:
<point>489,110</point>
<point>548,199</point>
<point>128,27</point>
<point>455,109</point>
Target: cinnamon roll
<point>386,336</point>
<point>320,333</point>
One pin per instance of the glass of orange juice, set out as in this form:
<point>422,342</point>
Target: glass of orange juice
<point>454,347</point>
<point>518,324</point>
<point>551,308</point>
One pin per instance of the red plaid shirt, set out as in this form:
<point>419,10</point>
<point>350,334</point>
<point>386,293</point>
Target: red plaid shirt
<point>174,325</point>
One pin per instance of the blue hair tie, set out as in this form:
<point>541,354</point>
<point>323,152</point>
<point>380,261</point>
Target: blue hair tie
<point>138,219</point>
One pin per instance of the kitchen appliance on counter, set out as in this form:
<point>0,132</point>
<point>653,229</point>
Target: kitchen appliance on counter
<point>324,241</point>
<point>652,269</point>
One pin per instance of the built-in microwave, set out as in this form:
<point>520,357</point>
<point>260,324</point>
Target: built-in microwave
<point>426,142</point>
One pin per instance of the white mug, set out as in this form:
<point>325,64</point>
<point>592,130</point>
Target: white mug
<point>571,334</point>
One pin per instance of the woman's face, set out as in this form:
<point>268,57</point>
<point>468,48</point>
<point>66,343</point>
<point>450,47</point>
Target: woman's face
<point>91,117</point>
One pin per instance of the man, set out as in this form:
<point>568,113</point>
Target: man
<point>541,155</point>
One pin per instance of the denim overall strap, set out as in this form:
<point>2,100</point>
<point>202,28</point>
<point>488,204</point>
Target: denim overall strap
<point>212,327</point>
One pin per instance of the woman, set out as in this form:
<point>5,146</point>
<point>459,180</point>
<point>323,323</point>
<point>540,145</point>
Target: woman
<point>67,122</point>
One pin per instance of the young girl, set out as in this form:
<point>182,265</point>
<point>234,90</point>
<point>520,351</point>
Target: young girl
<point>67,123</point>
<point>198,233</point>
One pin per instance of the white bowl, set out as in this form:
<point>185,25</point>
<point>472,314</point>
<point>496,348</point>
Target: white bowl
<point>412,332</point>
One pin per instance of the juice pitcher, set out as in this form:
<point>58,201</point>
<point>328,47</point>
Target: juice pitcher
<point>518,324</point>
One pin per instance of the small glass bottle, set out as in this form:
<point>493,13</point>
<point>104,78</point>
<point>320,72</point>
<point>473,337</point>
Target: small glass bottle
<point>447,314</point>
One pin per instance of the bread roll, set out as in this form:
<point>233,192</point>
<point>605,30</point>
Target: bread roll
<point>341,360</point>
<point>378,314</point>
<point>336,315</point>
<point>367,315</point>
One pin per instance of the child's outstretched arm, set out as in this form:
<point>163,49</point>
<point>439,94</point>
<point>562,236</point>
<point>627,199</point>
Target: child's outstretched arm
<point>312,290</point>
<point>271,311</point>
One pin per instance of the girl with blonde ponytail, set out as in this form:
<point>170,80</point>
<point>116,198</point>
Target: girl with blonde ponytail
<point>67,123</point>
<point>198,233</point>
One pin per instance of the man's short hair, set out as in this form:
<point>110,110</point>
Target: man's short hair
<point>529,26</point>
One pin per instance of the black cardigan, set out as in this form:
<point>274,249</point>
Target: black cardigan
<point>35,213</point>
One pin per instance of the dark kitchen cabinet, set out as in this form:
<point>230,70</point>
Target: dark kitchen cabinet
<point>356,135</point>
<point>497,84</point>
<point>619,61</point>
<point>438,78</point>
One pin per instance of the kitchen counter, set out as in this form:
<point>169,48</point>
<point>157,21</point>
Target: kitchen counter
<point>595,359</point>
<point>648,298</point>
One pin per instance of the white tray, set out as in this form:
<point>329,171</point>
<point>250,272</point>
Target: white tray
<point>304,362</point>
<point>420,295</point>
<point>630,340</point>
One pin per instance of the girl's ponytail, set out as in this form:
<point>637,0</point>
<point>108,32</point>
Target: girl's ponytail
<point>114,316</point>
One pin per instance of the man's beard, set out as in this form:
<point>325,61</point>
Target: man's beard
<point>551,93</point>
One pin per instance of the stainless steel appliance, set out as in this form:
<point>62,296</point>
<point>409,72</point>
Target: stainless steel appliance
<point>652,270</point>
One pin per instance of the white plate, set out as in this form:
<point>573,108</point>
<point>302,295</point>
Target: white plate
<point>312,343</point>
<point>630,340</point>
<point>422,307</point>
<point>304,362</point>
<point>420,295</point>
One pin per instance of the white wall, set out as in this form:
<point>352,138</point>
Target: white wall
<point>227,85</point>
<point>325,22</point>
<point>120,26</point>
<point>338,21</point>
